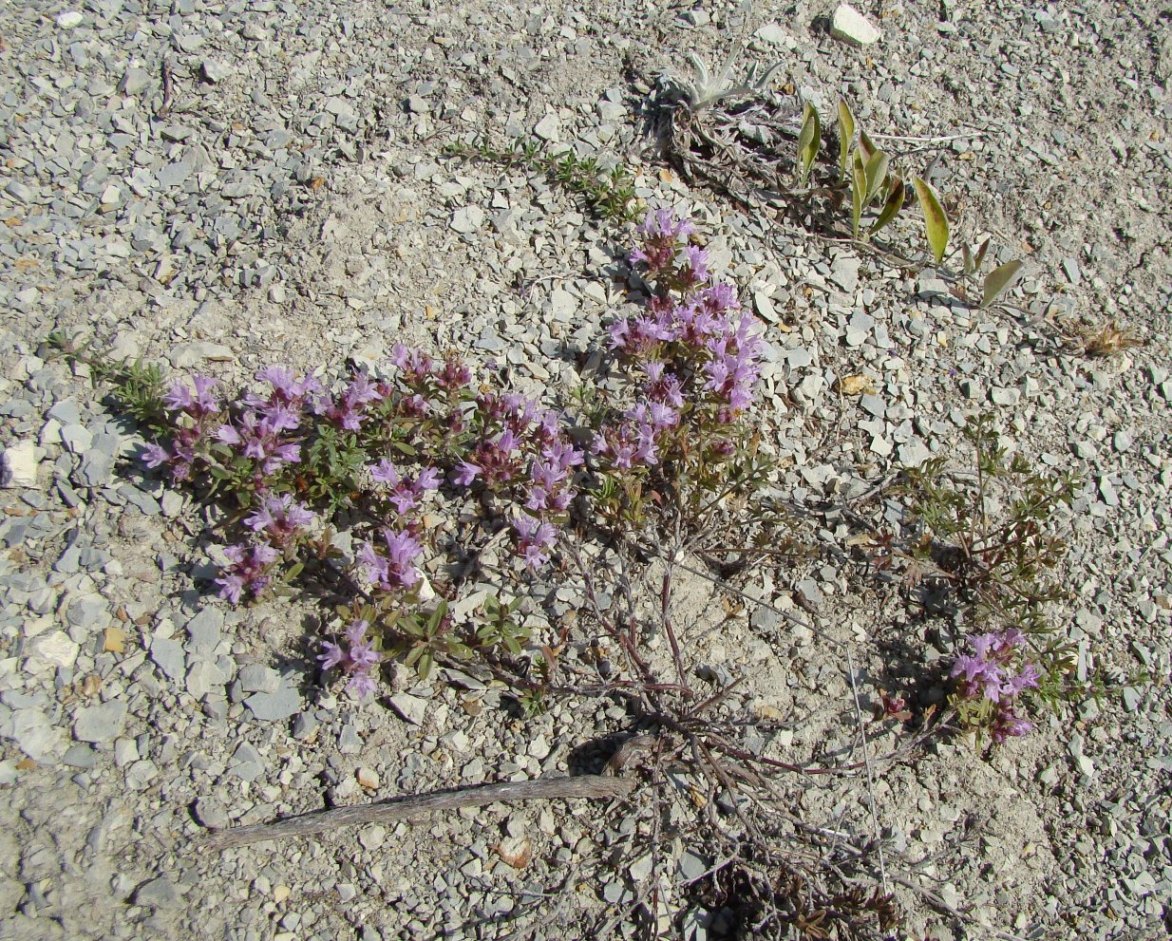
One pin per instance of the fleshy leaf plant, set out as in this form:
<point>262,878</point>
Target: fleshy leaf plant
<point>705,89</point>
<point>935,219</point>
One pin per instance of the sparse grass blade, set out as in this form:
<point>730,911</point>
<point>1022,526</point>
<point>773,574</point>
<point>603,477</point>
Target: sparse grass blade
<point>1000,280</point>
<point>935,220</point>
<point>808,141</point>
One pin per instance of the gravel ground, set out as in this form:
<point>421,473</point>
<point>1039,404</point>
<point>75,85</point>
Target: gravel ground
<point>220,186</point>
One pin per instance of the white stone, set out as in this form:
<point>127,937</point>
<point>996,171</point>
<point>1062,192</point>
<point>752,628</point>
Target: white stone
<point>56,648</point>
<point>852,27</point>
<point>468,219</point>
<point>20,465</point>
<point>562,305</point>
<point>69,19</point>
<point>773,34</point>
<point>549,128</point>
<point>35,734</point>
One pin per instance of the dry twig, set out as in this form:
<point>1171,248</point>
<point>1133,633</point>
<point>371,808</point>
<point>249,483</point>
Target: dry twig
<point>592,787</point>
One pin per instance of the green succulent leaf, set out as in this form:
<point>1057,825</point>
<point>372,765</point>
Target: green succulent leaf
<point>858,191</point>
<point>846,134</point>
<point>935,221</point>
<point>876,172</point>
<point>979,258</point>
<point>808,141</point>
<point>896,194</point>
<point>1000,280</point>
<point>866,146</point>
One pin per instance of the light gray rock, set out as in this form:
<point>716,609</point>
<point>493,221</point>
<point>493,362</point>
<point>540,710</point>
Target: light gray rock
<point>204,677</point>
<point>100,723</point>
<point>246,762</point>
<point>35,734</point>
<point>19,465</point>
<point>852,27</point>
<point>284,702</point>
<point>411,708</point>
<point>214,71</point>
<point>913,453</point>
<point>211,812</point>
<point>204,629</point>
<point>169,657</point>
<point>158,893</point>
<point>134,81</point>
<point>549,128</point>
<point>467,219</point>
<point>257,678</point>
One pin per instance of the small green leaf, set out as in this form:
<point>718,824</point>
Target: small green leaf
<point>808,141</point>
<point>846,134</point>
<point>979,258</point>
<point>892,205</point>
<point>876,172</point>
<point>866,145</point>
<point>935,221</point>
<point>999,280</point>
<point>858,191</point>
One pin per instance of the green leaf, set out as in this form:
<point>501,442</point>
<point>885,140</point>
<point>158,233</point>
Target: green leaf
<point>866,146</point>
<point>858,191</point>
<point>892,205</point>
<point>423,667</point>
<point>935,221</point>
<point>999,280</point>
<point>876,172</point>
<point>846,134</point>
<point>808,141</point>
<point>979,258</point>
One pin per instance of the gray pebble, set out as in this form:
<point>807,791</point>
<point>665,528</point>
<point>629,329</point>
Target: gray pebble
<point>135,81</point>
<point>158,893</point>
<point>204,630</point>
<point>79,756</point>
<point>349,741</point>
<point>257,678</point>
<point>280,704</point>
<point>210,812</point>
<point>168,655</point>
<point>100,723</point>
<point>411,708</point>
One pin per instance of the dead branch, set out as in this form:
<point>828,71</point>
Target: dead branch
<point>590,787</point>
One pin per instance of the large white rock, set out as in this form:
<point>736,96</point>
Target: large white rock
<point>849,25</point>
<point>19,465</point>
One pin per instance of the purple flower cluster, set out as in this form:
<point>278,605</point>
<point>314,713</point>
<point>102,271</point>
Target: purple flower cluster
<point>357,659</point>
<point>536,539</point>
<point>663,235</point>
<point>699,355</point>
<point>390,566</point>
<point>248,572</point>
<point>193,412</point>
<point>522,452</point>
<point>279,518</point>
<point>996,672</point>
<point>405,491</point>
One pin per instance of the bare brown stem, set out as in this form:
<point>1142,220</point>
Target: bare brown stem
<point>590,787</point>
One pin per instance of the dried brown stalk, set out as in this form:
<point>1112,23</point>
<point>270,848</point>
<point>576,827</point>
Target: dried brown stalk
<point>589,787</point>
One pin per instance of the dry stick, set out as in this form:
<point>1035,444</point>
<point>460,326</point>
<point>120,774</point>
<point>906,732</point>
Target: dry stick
<point>165,107</point>
<point>593,787</point>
